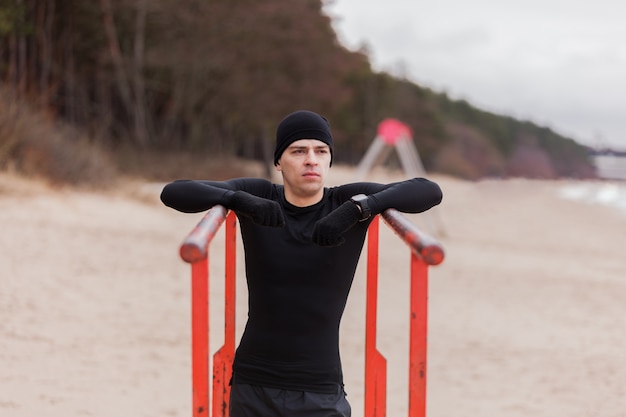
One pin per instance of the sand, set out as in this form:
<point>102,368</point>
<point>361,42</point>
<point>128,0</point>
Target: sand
<point>526,314</point>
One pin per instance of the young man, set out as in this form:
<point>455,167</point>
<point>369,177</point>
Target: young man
<point>302,242</point>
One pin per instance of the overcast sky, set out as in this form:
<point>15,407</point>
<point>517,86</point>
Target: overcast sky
<point>558,63</point>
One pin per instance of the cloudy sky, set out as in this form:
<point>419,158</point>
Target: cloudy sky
<point>560,64</point>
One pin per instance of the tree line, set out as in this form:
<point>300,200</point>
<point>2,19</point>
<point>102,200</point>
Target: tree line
<point>216,76</point>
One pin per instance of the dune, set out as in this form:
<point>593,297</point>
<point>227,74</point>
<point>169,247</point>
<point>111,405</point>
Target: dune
<point>526,314</point>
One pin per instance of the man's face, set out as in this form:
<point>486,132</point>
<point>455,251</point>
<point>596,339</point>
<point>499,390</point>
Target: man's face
<point>304,166</point>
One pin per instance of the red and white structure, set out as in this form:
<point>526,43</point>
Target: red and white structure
<point>391,134</point>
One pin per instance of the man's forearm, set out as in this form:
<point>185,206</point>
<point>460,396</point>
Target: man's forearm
<point>411,196</point>
<point>193,196</point>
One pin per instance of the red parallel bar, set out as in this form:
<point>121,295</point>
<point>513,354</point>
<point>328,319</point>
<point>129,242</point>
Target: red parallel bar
<point>194,250</point>
<point>375,363</point>
<point>195,247</point>
<point>223,358</point>
<point>200,336</point>
<point>418,329</point>
<point>423,245</point>
<point>425,251</point>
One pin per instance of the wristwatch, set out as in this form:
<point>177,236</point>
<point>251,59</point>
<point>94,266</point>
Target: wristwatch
<point>360,200</point>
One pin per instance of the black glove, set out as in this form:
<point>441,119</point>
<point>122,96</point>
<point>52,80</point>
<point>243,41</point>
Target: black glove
<point>328,231</point>
<point>262,211</point>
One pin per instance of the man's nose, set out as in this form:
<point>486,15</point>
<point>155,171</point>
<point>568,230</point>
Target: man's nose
<point>311,158</point>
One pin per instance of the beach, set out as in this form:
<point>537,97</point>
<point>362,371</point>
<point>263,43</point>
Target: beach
<point>526,313</point>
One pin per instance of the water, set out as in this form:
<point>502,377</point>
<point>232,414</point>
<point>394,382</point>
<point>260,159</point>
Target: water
<point>609,193</point>
<point>611,166</point>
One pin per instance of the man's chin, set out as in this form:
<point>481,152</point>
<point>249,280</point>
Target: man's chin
<point>312,187</point>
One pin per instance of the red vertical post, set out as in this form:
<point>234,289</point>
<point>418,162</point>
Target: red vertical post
<point>223,358</point>
<point>200,336</point>
<point>418,337</point>
<point>194,250</point>
<point>425,251</point>
<point>375,363</point>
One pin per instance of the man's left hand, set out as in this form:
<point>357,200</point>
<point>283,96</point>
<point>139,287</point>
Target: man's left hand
<point>329,230</point>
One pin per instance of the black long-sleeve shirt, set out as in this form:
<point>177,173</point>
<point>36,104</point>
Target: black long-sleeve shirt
<point>297,289</point>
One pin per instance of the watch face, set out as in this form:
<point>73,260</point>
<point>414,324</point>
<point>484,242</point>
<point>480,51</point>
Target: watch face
<point>361,201</point>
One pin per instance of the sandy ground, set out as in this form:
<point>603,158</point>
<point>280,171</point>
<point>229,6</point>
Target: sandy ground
<point>526,314</point>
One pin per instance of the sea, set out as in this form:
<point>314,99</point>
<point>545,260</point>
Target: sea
<point>611,166</point>
<point>610,190</point>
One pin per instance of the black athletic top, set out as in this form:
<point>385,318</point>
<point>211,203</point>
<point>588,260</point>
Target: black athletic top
<point>297,289</point>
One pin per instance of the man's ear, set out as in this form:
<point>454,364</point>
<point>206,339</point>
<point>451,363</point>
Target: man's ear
<point>278,168</point>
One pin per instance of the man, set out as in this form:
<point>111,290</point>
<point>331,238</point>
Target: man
<point>302,242</point>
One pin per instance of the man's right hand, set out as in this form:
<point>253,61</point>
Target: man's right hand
<point>262,211</point>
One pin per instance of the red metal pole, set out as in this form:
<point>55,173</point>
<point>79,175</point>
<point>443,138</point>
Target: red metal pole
<point>375,363</point>
<point>223,358</point>
<point>196,244</point>
<point>418,337</point>
<point>200,336</point>
<point>194,250</point>
<point>423,245</point>
<point>425,251</point>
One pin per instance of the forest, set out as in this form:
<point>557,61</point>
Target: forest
<point>213,78</point>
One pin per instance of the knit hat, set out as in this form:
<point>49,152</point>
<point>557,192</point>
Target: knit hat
<point>302,124</point>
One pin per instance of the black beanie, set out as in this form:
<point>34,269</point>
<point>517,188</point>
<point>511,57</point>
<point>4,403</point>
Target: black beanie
<point>302,124</point>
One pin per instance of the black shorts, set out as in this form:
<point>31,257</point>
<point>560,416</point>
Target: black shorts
<point>255,401</point>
